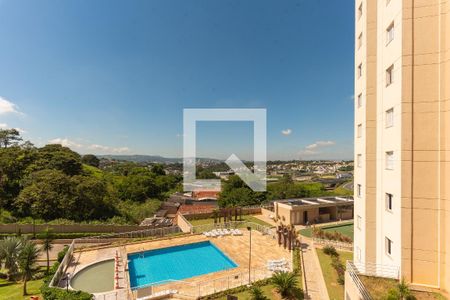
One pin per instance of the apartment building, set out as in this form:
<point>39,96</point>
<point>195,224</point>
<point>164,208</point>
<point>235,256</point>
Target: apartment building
<point>402,137</point>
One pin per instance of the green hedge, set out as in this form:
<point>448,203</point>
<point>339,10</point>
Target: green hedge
<point>49,293</point>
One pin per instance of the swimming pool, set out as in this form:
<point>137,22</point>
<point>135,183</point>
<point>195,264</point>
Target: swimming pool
<point>176,263</point>
<point>96,278</point>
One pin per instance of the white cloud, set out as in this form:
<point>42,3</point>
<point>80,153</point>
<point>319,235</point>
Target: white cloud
<point>83,148</point>
<point>7,106</point>
<point>314,148</point>
<point>107,149</point>
<point>319,144</point>
<point>65,142</point>
<point>5,126</point>
<point>286,131</point>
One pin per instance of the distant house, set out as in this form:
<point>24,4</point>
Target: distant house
<point>205,195</point>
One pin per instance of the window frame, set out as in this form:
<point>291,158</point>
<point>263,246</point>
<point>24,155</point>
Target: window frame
<point>390,75</point>
<point>359,160</point>
<point>360,40</point>
<point>360,10</point>
<point>388,166</point>
<point>360,70</point>
<point>388,246</point>
<point>389,122</point>
<point>389,199</point>
<point>359,101</point>
<point>390,33</point>
<point>359,190</point>
<point>359,130</point>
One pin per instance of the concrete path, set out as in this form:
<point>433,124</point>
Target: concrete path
<point>315,284</point>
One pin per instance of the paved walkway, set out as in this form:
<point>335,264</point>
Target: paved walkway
<point>315,284</point>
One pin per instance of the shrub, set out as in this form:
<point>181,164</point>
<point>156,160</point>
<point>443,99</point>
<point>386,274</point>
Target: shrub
<point>330,250</point>
<point>339,268</point>
<point>62,253</point>
<point>49,293</point>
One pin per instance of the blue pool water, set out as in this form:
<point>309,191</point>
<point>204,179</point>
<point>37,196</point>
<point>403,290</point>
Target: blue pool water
<point>176,263</point>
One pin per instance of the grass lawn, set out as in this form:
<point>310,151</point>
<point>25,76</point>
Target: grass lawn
<point>13,290</point>
<point>247,218</point>
<point>335,290</point>
<point>379,287</point>
<point>344,228</point>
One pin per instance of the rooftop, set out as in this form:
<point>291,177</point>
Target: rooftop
<point>317,201</point>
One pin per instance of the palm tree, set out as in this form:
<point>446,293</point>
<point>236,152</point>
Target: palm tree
<point>10,248</point>
<point>285,284</point>
<point>27,262</point>
<point>47,239</point>
<point>257,294</point>
<point>400,292</point>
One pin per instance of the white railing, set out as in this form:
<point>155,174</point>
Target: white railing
<point>63,266</point>
<point>353,272</point>
<point>377,270</point>
<point>141,234</point>
<point>204,288</point>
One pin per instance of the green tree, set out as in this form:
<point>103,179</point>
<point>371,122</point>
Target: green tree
<point>158,170</point>
<point>47,195</point>
<point>47,239</point>
<point>236,193</point>
<point>285,284</point>
<point>27,263</point>
<point>89,199</point>
<point>256,293</point>
<point>10,248</point>
<point>9,137</point>
<point>55,156</point>
<point>14,161</point>
<point>91,160</point>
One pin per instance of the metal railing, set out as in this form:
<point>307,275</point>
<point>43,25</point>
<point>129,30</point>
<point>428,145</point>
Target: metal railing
<point>377,270</point>
<point>106,238</point>
<point>353,272</point>
<point>63,266</point>
<point>204,288</point>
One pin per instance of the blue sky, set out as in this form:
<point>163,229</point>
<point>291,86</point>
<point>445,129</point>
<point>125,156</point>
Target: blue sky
<point>114,76</point>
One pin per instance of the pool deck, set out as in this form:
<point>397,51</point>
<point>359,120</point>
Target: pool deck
<point>264,248</point>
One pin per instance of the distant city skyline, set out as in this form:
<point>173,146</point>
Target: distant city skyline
<point>113,77</point>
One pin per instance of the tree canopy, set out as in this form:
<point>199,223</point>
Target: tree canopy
<point>54,182</point>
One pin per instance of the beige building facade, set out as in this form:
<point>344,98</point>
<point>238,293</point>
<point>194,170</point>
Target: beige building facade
<point>402,137</point>
<point>309,211</point>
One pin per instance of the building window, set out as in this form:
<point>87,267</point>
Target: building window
<point>390,160</point>
<point>359,100</point>
<point>390,75</point>
<point>358,254</point>
<point>360,40</point>
<point>358,222</point>
<point>359,70</point>
<point>359,131</point>
<point>390,33</point>
<point>359,160</point>
<point>389,201</point>
<point>358,190</point>
<point>390,118</point>
<point>360,11</point>
<point>388,246</point>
